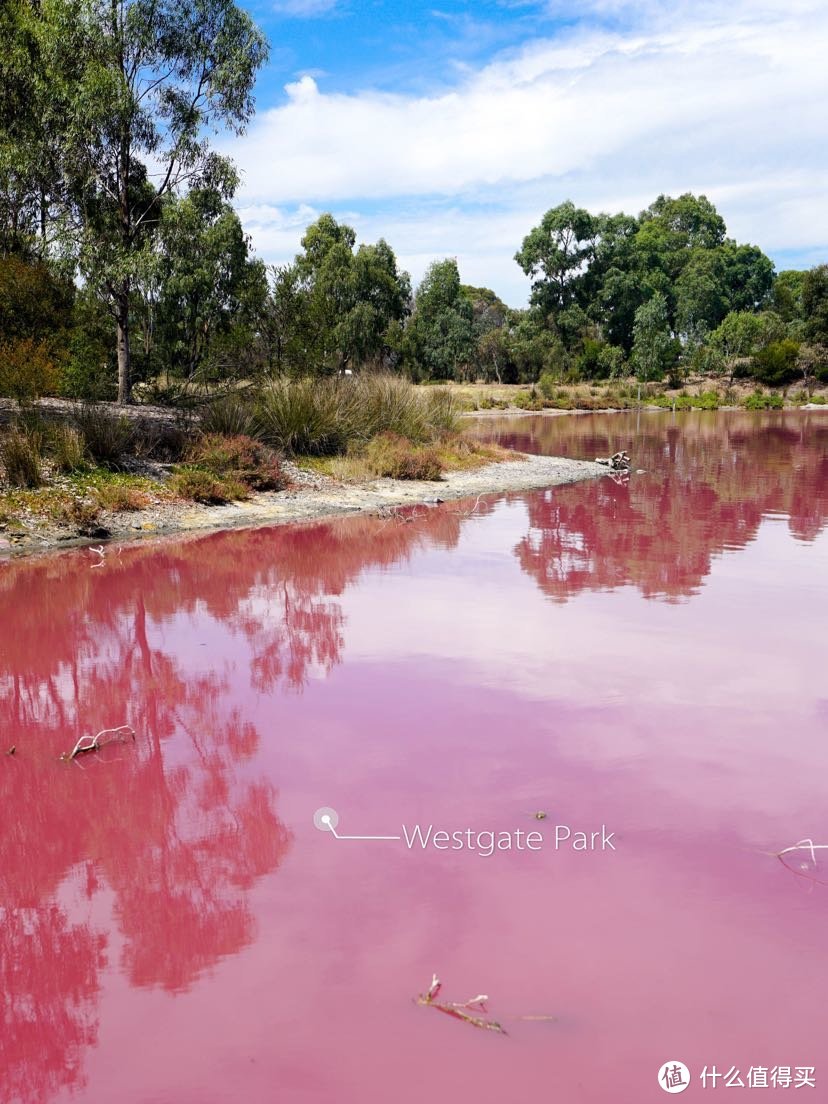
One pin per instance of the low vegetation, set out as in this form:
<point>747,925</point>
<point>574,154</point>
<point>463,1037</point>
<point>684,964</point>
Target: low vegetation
<point>78,466</point>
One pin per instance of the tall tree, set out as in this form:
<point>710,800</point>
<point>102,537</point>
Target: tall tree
<point>206,280</point>
<point>556,254</point>
<point>132,83</point>
<point>335,306</point>
<point>441,334</point>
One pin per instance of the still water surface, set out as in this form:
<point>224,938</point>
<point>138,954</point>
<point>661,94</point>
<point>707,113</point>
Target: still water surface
<point>647,656</point>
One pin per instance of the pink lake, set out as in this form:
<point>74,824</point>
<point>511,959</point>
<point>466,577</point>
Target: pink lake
<point>648,657</point>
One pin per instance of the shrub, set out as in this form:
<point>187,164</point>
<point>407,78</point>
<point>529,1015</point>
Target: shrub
<point>20,453</point>
<point>28,368</point>
<point>68,448</point>
<point>231,414</point>
<point>200,486</point>
<point>322,417</point>
<point>395,457</point>
<point>108,435</point>
<point>761,400</point>
<point>776,364</point>
<point>121,498</point>
<point>548,386</point>
<point>240,457</point>
<point>158,439</point>
<point>306,417</point>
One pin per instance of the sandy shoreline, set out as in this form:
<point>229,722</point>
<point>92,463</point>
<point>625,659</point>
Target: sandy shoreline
<point>315,498</point>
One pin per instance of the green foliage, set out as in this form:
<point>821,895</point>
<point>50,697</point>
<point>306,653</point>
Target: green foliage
<point>323,417</point>
<point>334,308</point>
<point>706,400</point>
<point>35,301</point>
<point>556,254</point>
<point>441,335</point>
<point>119,86</point>
<point>28,369</point>
<point>394,457</point>
<point>815,304</point>
<point>776,364</point>
<point>198,485</point>
<point>787,295</point>
<point>20,453</point>
<point>230,415</point>
<point>653,348</point>
<point>762,400</point>
<point>204,282</point>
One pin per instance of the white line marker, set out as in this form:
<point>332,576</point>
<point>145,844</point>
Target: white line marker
<point>327,819</point>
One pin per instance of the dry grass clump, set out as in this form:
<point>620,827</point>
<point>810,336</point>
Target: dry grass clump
<point>20,453</point>
<point>198,485</point>
<point>394,457</point>
<point>239,457</point>
<point>121,498</point>
<point>68,448</point>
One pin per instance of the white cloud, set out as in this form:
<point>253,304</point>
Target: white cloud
<point>724,100</point>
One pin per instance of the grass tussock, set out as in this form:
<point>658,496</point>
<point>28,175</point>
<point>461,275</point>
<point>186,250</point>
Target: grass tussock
<point>121,498</point>
<point>21,455</point>
<point>393,457</point>
<point>109,437</point>
<point>325,417</point>
<point>197,485</point>
<point>68,448</point>
<point>230,415</point>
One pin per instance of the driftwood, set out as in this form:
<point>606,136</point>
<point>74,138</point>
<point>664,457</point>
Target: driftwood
<point>94,743</point>
<point>619,461</point>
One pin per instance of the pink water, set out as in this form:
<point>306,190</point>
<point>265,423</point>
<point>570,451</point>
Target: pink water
<point>649,657</point>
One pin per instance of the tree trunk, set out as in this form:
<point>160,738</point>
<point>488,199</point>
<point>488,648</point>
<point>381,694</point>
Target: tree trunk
<point>122,336</point>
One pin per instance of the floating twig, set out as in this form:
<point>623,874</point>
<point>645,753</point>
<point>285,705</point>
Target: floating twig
<point>803,845</point>
<point>94,743</point>
<point>460,1010</point>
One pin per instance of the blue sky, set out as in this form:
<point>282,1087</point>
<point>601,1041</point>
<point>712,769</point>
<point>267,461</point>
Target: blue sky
<point>449,129</point>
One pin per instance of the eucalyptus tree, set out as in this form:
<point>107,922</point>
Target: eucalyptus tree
<point>130,89</point>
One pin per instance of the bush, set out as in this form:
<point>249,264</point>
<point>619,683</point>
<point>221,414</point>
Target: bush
<point>68,448</point>
<point>158,439</point>
<point>240,457</point>
<point>232,415</point>
<point>108,436</point>
<point>200,486</point>
<point>20,453</point>
<point>121,498</point>
<point>395,457</point>
<point>761,400</point>
<point>548,386</point>
<point>28,369</point>
<point>776,365</point>
<point>321,417</point>
<point>307,417</point>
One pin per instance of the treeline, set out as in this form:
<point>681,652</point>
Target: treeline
<point>122,260</point>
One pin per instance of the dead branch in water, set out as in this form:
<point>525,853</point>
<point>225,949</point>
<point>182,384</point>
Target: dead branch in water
<point>802,845</point>
<point>117,735</point>
<point>460,1010</point>
<point>466,1010</point>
